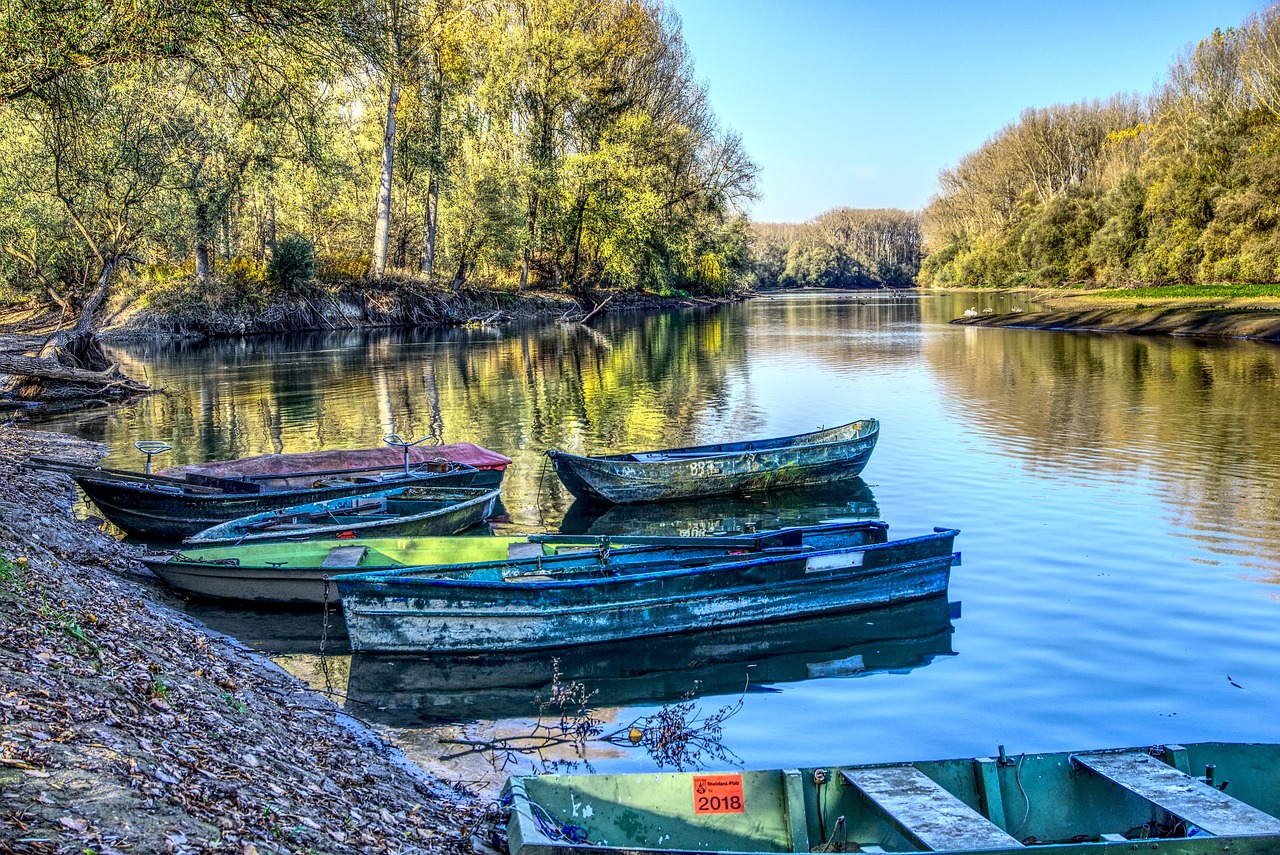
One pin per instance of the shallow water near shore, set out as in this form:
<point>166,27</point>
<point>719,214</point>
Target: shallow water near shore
<point>1117,497</point>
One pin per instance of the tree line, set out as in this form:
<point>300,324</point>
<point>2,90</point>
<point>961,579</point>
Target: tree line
<point>842,248</point>
<point>208,153</point>
<point>1177,187</point>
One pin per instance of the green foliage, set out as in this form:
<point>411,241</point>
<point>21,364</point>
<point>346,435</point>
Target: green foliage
<point>292,265</point>
<point>1180,190</point>
<point>565,144</point>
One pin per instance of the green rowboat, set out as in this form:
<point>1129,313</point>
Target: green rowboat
<point>298,573</point>
<point>1191,799</point>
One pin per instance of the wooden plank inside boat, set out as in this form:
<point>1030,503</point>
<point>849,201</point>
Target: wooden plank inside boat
<point>344,556</point>
<point>1185,797</point>
<point>926,813</point>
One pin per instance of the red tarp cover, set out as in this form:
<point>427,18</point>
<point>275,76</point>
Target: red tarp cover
<point>327,461</point>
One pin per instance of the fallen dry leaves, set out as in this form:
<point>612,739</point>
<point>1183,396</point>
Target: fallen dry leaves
<point>125,728</point>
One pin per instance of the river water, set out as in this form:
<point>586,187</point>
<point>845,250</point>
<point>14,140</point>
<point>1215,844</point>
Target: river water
<point>1117,498</point>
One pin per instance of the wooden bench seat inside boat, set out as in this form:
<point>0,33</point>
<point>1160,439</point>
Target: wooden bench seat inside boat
<point>1176,792</point>
<point>344,556</point>
<point>925,812</point>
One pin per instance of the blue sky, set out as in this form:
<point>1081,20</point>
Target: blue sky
<point>861,103</point>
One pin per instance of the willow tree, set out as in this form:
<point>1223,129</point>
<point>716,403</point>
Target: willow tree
<point>102,145</point>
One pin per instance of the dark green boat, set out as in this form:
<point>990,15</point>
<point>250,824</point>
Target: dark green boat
<point>180,501</point>
<point>722,469</point>
<point>1191,799</point>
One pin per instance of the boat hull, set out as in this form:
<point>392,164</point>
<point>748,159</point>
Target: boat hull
<point>406,691</point>
<point>171,511</point>
<point>401,613</point>
<point>1068,803</point>
<point>718,470</point>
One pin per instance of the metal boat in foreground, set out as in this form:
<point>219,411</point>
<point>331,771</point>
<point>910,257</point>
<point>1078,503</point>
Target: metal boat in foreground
<point>1191,799</point>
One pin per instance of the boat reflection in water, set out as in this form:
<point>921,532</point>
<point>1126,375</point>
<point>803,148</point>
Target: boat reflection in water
<point>846,500</point>
<point>404,691</point>
<point>275,631</point>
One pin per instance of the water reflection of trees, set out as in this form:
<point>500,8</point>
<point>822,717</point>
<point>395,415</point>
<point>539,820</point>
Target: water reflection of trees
<point>1197,419</point>
<point>629,383</point>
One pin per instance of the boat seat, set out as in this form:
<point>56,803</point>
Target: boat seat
<point>926,813</point>
<point>1176,792</point>
<point>345,556</point>
<point>525,550</point>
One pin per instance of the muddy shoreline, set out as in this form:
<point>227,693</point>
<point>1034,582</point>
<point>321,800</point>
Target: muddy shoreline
<point>1085,312</point>
<point>126,727</point>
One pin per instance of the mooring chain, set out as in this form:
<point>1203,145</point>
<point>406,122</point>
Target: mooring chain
<point>324,640</point>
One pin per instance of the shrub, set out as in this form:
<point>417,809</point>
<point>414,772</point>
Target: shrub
<point>293,264</point>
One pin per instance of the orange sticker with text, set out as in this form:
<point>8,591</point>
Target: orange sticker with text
<point>718,794</point>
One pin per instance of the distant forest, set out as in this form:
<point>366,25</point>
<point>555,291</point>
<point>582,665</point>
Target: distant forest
<point>843,248</point>
<point>1182,186</point>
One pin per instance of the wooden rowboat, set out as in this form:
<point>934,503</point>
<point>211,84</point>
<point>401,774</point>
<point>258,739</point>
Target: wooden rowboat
<point>1191,799</point>
<point>180,501</point>
<point>726,468</point>
<point>401,512</point>
<point>481,608</point>
<point>289,573</point>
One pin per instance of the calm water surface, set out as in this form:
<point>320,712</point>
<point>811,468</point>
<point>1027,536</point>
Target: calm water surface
<point>1117,497</point>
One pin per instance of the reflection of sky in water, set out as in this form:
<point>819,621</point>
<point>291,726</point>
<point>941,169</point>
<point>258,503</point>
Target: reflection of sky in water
<point>1116,494</point>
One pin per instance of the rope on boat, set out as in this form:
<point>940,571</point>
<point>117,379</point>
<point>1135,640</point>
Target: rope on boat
<point>555,829</point>
<point>542,473</point>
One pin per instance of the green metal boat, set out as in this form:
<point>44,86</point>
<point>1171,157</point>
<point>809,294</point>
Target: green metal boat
<point>1190,799</point>
<point>298,573</point>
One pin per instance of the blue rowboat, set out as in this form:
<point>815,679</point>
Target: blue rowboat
<point>401,512</point>
<point>549,603</point>
<point>412,690</point>
<point>726,468</point>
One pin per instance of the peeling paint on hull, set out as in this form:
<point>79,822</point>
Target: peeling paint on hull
<point>821,457</point>
<point>415,613</point>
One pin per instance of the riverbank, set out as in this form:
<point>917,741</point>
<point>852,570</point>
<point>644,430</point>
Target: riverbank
<point>1252,318</point>
<point>126,727</point>
<point>378,305</point>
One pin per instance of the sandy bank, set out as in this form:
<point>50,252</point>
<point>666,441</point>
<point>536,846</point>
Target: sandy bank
<point>1248,323</point>
<point>124,727</point>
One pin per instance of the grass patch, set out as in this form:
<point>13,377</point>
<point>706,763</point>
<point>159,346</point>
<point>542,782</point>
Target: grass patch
<point>11,571</point>
<point>1190,292</point>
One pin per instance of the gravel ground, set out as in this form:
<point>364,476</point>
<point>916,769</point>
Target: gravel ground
<point>125,727</point>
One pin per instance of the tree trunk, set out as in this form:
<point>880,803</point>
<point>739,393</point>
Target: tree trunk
<point>270,236</point>
<point>382,228</point>
<point>79,347</point>
<point>577,242</point>
<point>460,278</point>
<point>204,231</point>
<point>433,222</point>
